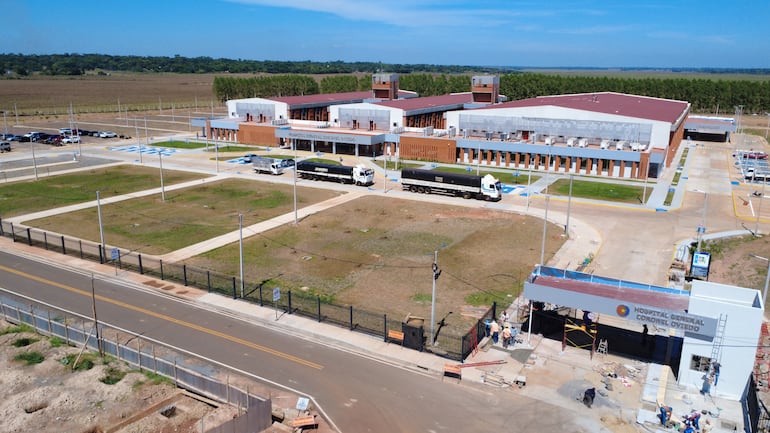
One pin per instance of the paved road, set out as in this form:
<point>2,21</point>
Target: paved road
<point>355,391</point>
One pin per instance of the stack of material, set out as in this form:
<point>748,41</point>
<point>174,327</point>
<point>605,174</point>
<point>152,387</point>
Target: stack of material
<point>495,380</point>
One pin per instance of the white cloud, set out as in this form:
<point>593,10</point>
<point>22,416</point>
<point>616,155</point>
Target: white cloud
<point>417,13</point>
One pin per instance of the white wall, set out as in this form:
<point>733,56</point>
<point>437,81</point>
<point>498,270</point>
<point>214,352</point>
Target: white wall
<point>396,115</point>
<point>659,136</point>
<point>743,310</point>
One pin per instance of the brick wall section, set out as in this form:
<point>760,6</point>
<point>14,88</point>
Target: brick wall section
<point>428,149</point>
<point>263,135</point>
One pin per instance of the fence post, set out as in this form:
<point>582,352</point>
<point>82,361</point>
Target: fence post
<point>319,308</point>
<point>101,257</point>
<point>141,268</point>
<point>139,353</point>
<point>80,246</point>
<point>385,327</point>
<point>184,274</point>
<point>235,294</point>
<point>208,280</point>
<point>161,269</point>
<point>63,247</point>
<point>261,301</point>
<point>50,329</point>
<point>13,233</point>
<point>351,317</point>
<point>45,240</point>
<point>289,300</point>
<point>29,236</point>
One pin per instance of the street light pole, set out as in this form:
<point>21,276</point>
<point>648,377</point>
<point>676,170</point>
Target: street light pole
<point>767,278</point>
<point>240,249</point>
<point>296,219</point>
<point>569,204</point>
<point>436,273</point>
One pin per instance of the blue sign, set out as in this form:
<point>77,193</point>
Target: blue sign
<point>115,254</point>
<point>701,263</point>
<point>276,294</point>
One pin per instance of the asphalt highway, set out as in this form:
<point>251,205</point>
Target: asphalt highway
<point>359,393</point>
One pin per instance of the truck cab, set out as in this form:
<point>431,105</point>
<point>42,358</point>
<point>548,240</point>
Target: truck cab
<point>266,165</point>
<point>491,188</point>
<point>363,175</point>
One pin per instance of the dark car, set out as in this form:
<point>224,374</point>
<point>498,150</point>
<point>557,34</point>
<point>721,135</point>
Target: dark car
<point>5,146</point>
<point>248,157</point>
<point>287,162</point>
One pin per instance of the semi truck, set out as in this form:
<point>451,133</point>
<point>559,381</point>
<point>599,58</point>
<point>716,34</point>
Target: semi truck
<point>467,186</point>
<point>266,165</point>
<point>357,174</point>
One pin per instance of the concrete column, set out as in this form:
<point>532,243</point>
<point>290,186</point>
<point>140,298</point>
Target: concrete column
<point>611,168</point>
<point>357,150</point>
<point>578,161</point>
<point>599,166</point>
<point>634,170</point>
<point>507,159</point>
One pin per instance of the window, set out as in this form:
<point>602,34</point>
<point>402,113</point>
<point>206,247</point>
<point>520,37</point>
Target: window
<point>700,363</point>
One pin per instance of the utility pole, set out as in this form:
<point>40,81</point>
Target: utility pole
<point>436,273</point>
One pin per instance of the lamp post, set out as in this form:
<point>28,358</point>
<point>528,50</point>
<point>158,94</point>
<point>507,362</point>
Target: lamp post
<point>767,279</point>
<point>296,219</point>
<point>436,274</point>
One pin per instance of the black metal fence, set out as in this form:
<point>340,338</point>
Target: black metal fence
<point>292,302</point>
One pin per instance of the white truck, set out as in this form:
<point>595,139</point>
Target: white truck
<point>458,184</point>
<point>357,174</point>
<point>266,165</point>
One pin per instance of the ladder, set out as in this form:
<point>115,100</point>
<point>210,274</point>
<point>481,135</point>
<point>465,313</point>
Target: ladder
<point>602,348</point>
<point>716,348</point>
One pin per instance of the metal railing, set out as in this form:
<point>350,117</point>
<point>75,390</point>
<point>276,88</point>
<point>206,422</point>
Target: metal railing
<point>138,351</point>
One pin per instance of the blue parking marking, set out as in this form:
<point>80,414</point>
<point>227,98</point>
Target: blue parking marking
<point>146,150</point>
<point>236,161</point>
<point>511,189</point>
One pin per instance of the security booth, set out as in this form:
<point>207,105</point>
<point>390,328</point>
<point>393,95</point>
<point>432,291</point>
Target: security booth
<point>707,318</point>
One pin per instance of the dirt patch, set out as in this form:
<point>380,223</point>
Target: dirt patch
<point>732,264</point>
<point>51,396</point>
<point>377,253</point>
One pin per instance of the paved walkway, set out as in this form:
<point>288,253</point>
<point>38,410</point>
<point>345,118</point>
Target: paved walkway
<point>541,362</point>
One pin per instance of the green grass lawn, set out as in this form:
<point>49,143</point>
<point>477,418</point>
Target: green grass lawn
<point>186,217</point>
<point>508,176</point>
<point>391,165</point>
<point>600,190</point>
<point>20,198</point>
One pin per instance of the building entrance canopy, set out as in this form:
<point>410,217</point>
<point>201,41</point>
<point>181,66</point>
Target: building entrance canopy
<point>652,305</point>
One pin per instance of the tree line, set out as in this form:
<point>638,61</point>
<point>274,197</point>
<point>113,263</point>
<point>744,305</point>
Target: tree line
<point>79,64</point>
<point>705,95</point>
<point>299,78</point>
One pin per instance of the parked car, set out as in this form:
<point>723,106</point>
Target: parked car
<point>107,134</point>
<point>12,137</point>
<point>5,146</point>
<point>247,158</point>
<point>70,139</point>
<point>31,136</point>
<point>65,131</point>
<point>287,162</point>
<point>53,139</point>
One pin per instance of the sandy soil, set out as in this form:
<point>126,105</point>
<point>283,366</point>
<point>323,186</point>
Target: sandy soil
<point>51,397</point>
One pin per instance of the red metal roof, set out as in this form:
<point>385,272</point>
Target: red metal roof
<point>332,98</point>
<point>669,301</point>
<point>644,107</point>
<point>438,102</point>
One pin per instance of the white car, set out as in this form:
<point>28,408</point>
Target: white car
<point>70,139</point>
<point>107,134</point>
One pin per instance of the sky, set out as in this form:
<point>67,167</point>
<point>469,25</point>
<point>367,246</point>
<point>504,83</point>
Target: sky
<point>546,33</point>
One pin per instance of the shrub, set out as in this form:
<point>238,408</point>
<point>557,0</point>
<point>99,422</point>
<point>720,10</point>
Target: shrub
<point>30,358</point>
